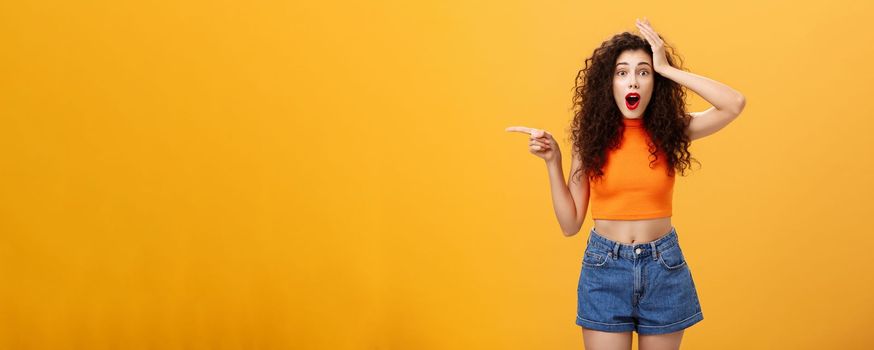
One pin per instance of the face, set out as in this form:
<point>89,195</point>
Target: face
<point>632,74</point>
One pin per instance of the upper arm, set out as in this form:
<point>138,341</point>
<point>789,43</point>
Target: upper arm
<point>578,184</point>
<point>707,122</point>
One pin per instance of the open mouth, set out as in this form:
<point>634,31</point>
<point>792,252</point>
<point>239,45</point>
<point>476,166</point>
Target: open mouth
<point>632,100</point>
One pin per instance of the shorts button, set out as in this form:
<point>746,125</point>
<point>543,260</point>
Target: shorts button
<point>637,250</point>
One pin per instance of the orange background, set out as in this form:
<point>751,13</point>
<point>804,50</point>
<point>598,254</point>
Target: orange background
<point>336,175</point>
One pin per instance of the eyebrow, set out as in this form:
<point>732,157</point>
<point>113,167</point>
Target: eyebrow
<point>626,63</point>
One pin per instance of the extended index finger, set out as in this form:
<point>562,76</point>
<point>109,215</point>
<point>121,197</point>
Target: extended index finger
<point>531,131</point>
<point>526,130</point>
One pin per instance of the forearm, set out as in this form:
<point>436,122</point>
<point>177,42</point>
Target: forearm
<point>718,94</point>
<point>562,201</point>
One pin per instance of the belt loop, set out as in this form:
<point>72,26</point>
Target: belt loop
<point>615,251</point>
<point>655,255</point>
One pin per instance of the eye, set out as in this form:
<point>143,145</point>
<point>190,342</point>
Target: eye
<point>647,72</point>
<point>620,72</point>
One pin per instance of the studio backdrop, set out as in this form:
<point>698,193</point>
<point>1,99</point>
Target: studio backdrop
<point>336,174</point>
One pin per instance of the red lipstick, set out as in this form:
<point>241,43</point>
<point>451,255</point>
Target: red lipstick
<point>632,100</point>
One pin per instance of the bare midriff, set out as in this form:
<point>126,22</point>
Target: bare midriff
<point>633,231</point>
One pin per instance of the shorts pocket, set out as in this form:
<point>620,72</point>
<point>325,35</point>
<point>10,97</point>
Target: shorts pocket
<point>593,259</point>
<point>672,258</point>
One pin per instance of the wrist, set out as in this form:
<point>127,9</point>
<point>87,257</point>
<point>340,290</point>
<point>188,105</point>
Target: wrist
<point>554,162</point>
<point>664,69</point>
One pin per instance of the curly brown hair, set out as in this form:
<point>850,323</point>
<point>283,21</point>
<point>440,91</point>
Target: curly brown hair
<point>597,126</point>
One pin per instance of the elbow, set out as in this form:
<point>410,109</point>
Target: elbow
<point>572,231</point>
<point>740,104</point>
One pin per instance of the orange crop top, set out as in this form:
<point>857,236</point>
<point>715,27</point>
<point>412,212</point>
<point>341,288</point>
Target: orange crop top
<point>630,189</point>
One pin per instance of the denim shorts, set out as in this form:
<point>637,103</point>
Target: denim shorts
<point>642,287</point>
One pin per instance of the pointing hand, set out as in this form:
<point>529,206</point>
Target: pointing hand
<point>540,143</point>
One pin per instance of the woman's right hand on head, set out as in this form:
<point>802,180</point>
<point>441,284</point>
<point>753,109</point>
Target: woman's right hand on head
<point>540,143</point>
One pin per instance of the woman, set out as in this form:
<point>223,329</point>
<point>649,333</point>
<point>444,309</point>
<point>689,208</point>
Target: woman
<point>628,144</point>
